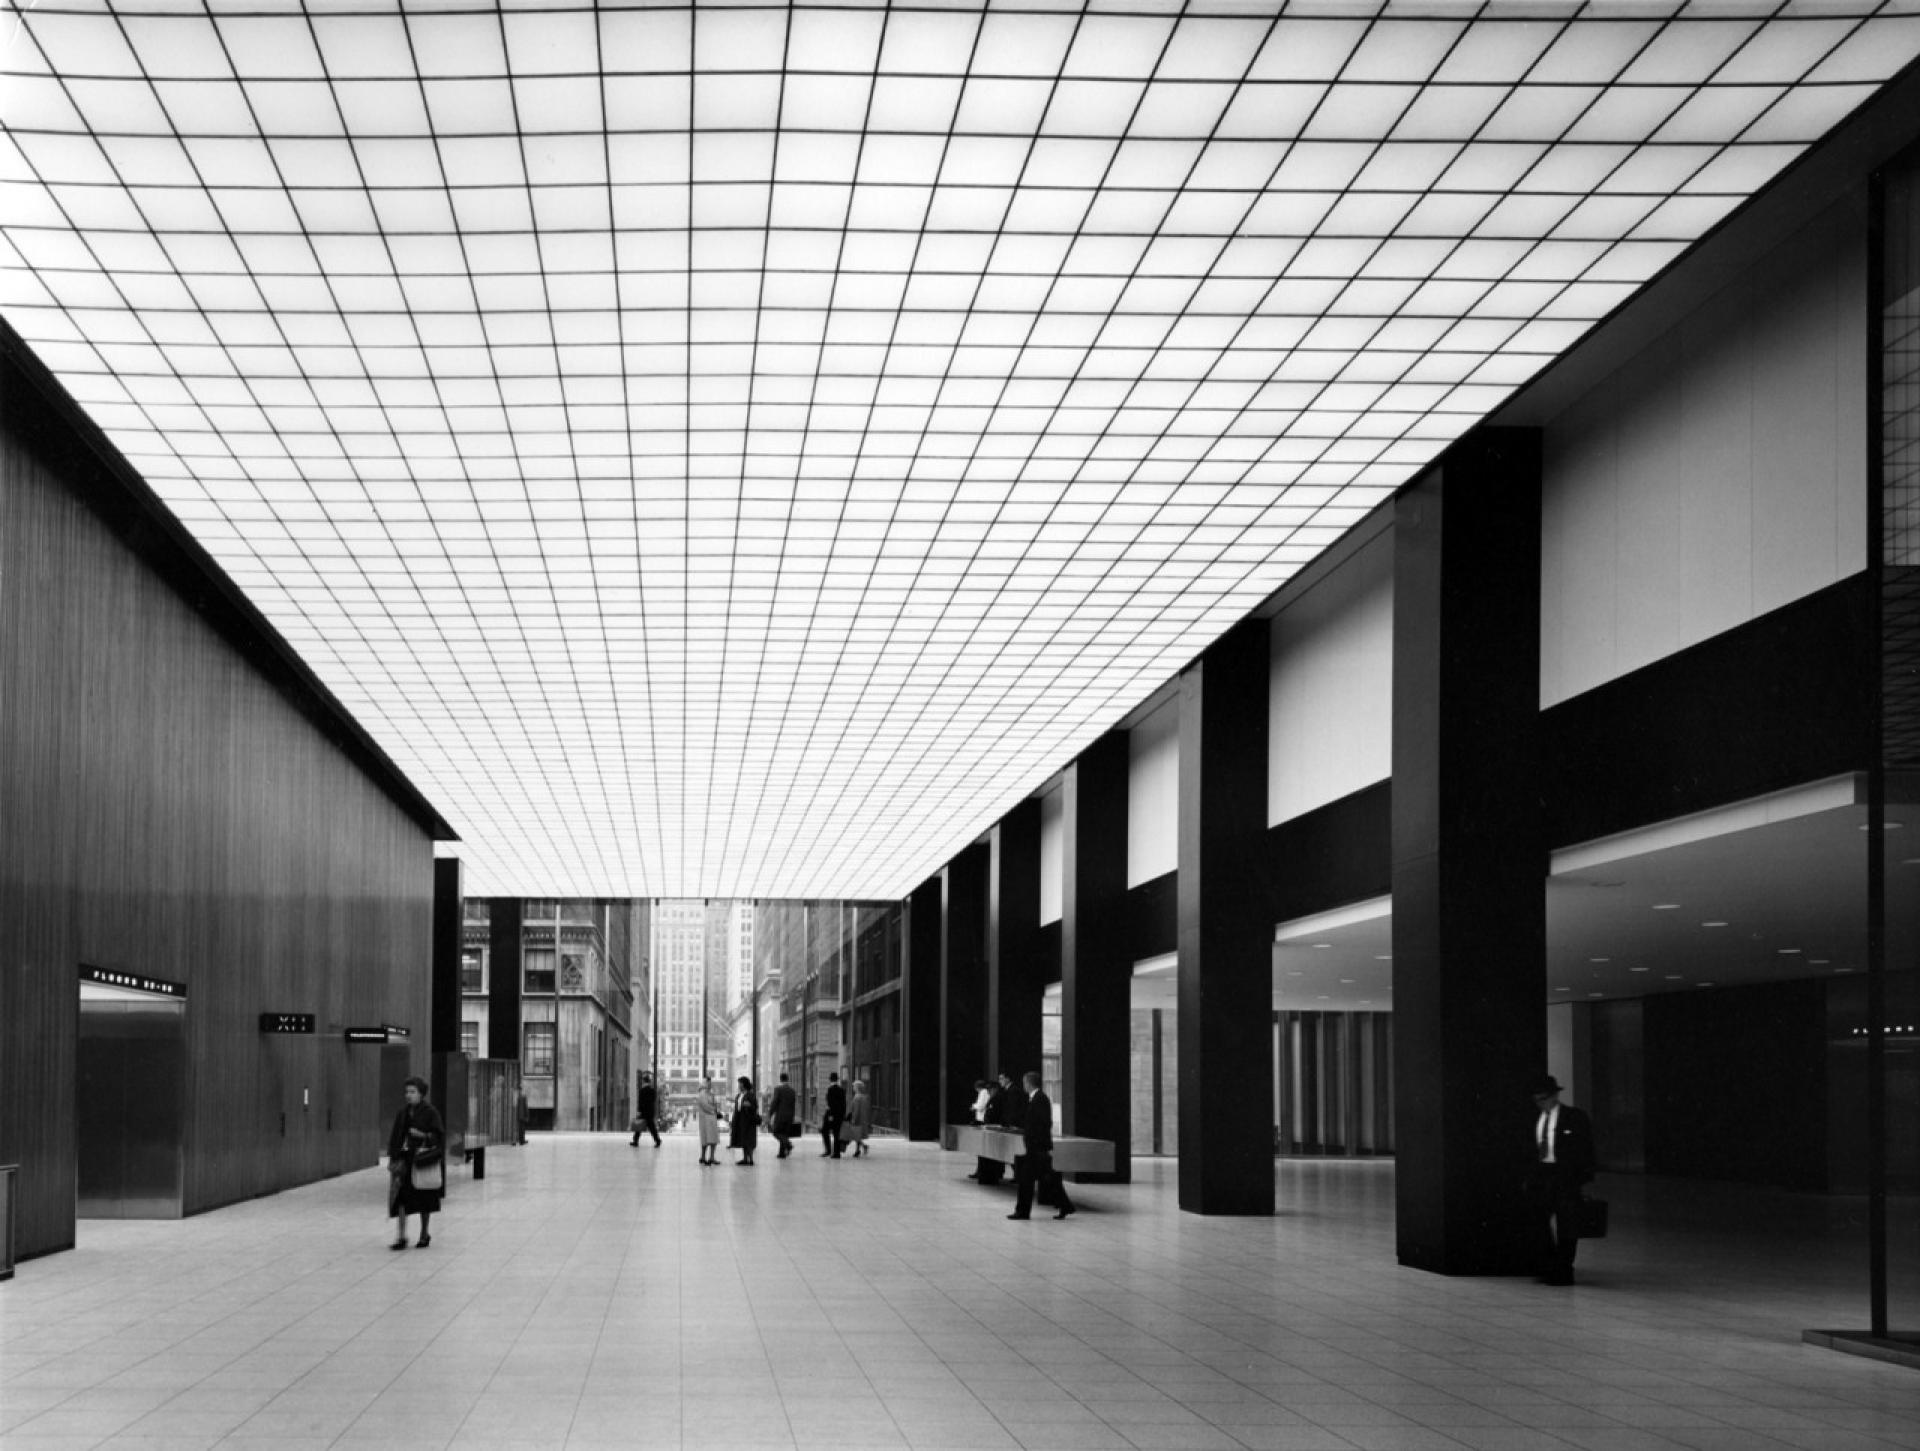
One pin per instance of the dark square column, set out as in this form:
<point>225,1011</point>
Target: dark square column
<point>920,1012</point>
<point>503,977</point>
<point>1096,973</point>
<point>448,912</point>
<point>963,980</point>
<point>1469,863</point>
<point>1015,982</point>
<point>1226,930</point>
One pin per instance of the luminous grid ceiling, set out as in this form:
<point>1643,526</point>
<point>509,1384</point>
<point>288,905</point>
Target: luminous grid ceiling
<point>742,450</point>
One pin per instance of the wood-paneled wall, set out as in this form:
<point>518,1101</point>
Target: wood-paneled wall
<point>165,809</point>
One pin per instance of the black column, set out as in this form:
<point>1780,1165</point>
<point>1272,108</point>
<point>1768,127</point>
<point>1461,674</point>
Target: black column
<point>1469,862</point>
<point>448,911</point>
<point>920,1012</point>
<point>1015,981</point>
<point>1226,930</point>
<point>1096,974</point>
<point>963,980</point>
<point>503,977</point>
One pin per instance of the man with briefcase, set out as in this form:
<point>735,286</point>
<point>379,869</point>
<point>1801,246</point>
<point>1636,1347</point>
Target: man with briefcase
<point>1563,1162</point>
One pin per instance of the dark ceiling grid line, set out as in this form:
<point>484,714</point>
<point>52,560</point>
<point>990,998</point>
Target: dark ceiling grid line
<point>1627,62</point>
<point>731,885</point>
<point>1085,727</point>
<point>877,771</point>
<point>681,675</point>
<point>1390,390</point>
<point>986,664</point>
<point>641,882</point>
<point>536,821</point>
<point>779,836</point>
<point>1378,244</point>
<point>1532,246</point>
<point>583,798</point>
<point>957,486</point>
<point>198,404</point>
<point>326,580</point>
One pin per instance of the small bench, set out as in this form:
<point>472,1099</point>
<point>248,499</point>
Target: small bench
<point>1071,1155</point>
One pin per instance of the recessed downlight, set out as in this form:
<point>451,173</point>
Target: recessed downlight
<point>1639,969</point>
<point>1383,957</point>
<point>1666,906</point>
<point>1703,984</point>
<point>1318,946</point>
<point>1675,976</point>
<point>1713,924</point>
<point>1599,959</point>
<point>1788,951</point>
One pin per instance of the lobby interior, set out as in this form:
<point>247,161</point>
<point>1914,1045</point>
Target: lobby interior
<point>1310,565</point>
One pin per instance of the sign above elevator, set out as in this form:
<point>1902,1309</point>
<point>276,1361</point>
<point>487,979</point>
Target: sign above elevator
<point>286,1022</point>
<point>366,1035</point>
<point>132,981</point>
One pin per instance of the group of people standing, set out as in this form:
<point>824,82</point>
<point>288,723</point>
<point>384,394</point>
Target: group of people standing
<point>1026,1109</point>
<point>842,1124</point>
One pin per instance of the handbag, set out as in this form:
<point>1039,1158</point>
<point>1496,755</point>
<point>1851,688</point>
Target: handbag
<point>431,1177</point>
<point>1589,1218</point>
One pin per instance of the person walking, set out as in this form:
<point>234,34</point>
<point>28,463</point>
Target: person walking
<point>744,1130</point>
<point>780,1120</point>
<point>859,1119</point>
<point>1035,1166</point>
<point>416,1162</point>
<point>1563,1161</point>
<point>830,1120</point>
<point>643,1114</point>
<point>708,1108</point>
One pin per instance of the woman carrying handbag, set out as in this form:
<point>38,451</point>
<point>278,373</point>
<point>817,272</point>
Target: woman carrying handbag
<point>744,1133</point>
<point>416,1160</point>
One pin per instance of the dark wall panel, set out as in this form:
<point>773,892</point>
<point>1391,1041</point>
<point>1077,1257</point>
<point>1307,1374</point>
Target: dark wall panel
<point>1783,699</point>
<point>168,810</point>
<point>1736,1084</point>
<point>1335,854</point>
<point>1153,917</point>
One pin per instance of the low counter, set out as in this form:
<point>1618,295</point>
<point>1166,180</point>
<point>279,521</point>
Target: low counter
<point>1070,1155</point>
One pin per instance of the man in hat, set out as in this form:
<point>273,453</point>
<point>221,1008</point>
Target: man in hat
<point>1563,1161</point>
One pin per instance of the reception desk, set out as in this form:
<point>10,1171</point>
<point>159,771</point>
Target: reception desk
<point>1070,1155</point>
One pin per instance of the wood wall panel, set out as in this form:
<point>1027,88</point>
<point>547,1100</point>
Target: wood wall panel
<point>164,808</point>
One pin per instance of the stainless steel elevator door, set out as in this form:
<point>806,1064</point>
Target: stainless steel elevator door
<point>132,1108</point>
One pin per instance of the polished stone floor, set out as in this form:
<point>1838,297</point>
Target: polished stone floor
<point>592,1294</point>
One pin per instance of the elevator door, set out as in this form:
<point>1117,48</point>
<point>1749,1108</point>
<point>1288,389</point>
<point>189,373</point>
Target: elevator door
<point>131,1107</point>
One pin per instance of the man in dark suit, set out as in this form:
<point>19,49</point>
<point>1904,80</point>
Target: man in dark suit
<point>643,1111</point>
<point>830,1120</point>
<point>780,1120</point>
<point>1563,1161</point>
<point>1035,1165</point>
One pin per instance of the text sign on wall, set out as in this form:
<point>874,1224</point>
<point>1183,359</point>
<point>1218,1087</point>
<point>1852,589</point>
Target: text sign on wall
<point>366,1035</point>
<point>286,1022</point>
<point>394,1030</point>
<point>139,982</point>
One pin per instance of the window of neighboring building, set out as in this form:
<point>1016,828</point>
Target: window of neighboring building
<point>543,909</point>
<point>473,970</point>
<point>538,970</point>
<point>573,972</point>
<point>536,1060</point>
<point>470,1038</point>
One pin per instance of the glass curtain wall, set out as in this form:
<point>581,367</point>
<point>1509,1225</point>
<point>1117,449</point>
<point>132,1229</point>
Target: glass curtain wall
<point>832,968</point>
<point>1892,1028</point>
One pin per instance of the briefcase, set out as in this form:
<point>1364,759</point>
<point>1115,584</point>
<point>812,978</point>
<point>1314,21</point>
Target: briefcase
<point>1590,1218</point>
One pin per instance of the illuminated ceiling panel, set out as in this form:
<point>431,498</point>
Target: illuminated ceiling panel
<point>741,451</point>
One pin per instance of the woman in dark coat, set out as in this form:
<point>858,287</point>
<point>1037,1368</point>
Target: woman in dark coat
<point>418,1141</point>
<point>745,1134</point>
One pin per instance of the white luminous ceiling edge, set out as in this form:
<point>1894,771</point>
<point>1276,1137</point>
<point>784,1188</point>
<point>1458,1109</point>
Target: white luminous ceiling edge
<point>740,450</point>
